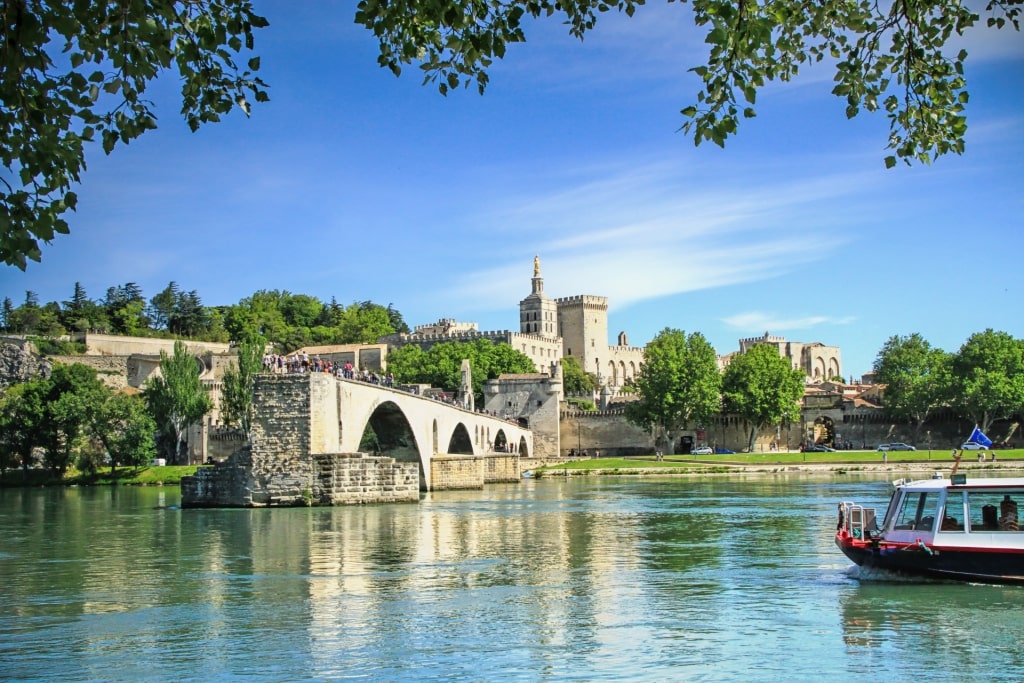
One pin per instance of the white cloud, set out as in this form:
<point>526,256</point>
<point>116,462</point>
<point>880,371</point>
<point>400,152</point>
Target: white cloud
<point>755,321</point>
<point>645,231</point>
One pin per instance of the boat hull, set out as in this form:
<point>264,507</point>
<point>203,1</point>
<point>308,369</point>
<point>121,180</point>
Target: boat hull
<point>1004,566</point>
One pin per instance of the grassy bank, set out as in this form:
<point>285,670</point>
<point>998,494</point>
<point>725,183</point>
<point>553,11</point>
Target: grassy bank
<point>740,461</point>
<point>169,475</point>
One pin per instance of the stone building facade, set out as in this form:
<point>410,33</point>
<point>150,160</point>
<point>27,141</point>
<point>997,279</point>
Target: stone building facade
<point>532,400</point>
<point>818,361</point>
<point>549,329</point>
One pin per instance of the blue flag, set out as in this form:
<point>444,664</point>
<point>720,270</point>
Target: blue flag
<point>978,437</point>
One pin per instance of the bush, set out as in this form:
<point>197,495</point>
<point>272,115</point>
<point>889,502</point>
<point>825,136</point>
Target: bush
<point>51,346</point>
<point>582,404</point>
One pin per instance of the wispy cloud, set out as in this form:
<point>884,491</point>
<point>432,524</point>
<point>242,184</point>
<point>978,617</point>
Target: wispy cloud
<point>754,321</point>
<point>650,231</point>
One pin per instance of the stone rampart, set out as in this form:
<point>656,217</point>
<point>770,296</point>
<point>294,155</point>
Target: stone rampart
<point>116,345</point>
<point>112,370</point>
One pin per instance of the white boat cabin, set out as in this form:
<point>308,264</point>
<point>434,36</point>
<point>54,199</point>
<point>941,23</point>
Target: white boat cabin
<point>949,512</point>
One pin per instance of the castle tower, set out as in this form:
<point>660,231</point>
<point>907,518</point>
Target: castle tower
<point>537,313</point>
<point>583,326</point>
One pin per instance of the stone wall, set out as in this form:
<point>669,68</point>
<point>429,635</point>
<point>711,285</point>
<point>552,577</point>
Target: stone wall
<point>501,468</point>
<point>356,478</point>
<point>456,472</point>
<point>116,345</point>
<point>281,439</point>
<point>112,370</point>
<point>228,484</point>
<point>607,431</point>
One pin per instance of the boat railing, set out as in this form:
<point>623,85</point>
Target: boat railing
<point>857,520</point>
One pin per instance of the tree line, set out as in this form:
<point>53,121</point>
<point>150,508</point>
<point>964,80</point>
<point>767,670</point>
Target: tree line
<point>288,320</point>
<point>680,386</point>
<point>982,381</point>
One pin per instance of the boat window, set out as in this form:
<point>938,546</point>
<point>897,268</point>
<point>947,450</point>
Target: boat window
<point>993,511</point>
<point>953,516</point>
<point>917,512</point>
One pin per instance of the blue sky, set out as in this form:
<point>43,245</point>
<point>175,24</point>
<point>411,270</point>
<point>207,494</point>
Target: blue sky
<point>355,184</point>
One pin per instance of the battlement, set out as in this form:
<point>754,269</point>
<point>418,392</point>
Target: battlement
<point>438,337</point>
<point>535,337</point>
<point>626,349</point>
<point>766,338</point>
<point>445,326</point>
<point>585,300</point>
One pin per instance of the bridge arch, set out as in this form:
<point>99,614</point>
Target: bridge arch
<point>460,442</point>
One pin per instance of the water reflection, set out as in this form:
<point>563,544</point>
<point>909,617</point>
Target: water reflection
<point>611,579</point>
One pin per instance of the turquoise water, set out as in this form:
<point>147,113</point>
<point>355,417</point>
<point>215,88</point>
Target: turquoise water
<point>584,579</point>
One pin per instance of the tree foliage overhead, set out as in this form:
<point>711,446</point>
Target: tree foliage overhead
<point>678,384</point>
<point>763,388</point>
<point>74,73</point>
<point>887,56</point>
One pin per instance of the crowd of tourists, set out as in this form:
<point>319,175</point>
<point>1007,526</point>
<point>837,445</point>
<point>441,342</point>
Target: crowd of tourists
<point>301,363</point>
<point>298,363</point>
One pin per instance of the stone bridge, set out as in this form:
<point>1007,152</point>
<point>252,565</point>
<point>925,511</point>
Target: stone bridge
<point>311,435</point>
<point>409,427</point>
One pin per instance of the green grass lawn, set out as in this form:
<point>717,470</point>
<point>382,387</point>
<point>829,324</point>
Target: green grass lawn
<point>169,475</point>
<point>942,457</point>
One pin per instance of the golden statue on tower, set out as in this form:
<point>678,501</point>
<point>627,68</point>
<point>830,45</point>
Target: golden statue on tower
<point>536,266</point>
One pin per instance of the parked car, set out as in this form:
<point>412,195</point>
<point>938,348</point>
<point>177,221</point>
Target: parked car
<point>971,446</point>
<point>895,447</point>
<point>703,450</point>
<point>724,451</point>
<point>818,448</point>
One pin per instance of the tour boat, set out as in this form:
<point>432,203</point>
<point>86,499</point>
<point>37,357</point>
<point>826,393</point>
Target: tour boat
<point>960,528</point>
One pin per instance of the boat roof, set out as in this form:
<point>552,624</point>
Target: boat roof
<point>970,483</point>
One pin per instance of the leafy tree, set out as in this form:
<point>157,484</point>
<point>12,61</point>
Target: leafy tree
<point>441,366</point>
<point>74,73</point>
<point>365,323</point>
<point>885,55</point>
<point>916,376</point>
<point>7,314</point>
<point>397,321</point>
<point>763,388</point>
<point>125,308</point>
<point>125,428</point>
<point>68,398</point>
<point>575,381</point>
<point>988,377</point>
<point>21,422</point>
<point>81,313</point>
<point>678,383</point>
<point>237,391</point>
<point>188,318</point>
<point>162,306</point>
<point>177,398</point>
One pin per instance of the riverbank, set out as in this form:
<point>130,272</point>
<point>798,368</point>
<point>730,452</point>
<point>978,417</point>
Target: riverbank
<point>168,475</point>
<point>909,467</point>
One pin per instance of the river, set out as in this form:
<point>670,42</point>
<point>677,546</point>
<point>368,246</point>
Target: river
<point>585,579</point>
